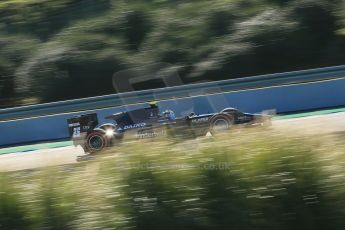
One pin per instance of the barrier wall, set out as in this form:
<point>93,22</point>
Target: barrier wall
<point>278,79</point>
<point>283,99</point>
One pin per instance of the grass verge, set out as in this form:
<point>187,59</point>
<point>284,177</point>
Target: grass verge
<point>247,179</point>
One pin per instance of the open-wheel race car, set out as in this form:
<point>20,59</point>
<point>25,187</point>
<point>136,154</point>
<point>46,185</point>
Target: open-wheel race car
<point>149,123</point>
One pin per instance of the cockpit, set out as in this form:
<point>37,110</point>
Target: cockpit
<point>169,115</point>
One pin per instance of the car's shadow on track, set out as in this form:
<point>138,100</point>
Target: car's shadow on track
<point>98,156</point>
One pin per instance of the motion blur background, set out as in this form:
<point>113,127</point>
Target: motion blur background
<point>286,176</point>
<point>56,50</point>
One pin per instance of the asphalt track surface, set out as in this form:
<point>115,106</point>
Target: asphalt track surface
<point>61,153</point>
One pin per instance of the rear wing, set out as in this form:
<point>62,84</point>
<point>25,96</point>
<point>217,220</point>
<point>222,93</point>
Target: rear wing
<point>82,124</point>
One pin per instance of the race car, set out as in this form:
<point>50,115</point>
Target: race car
<point>149,123</point>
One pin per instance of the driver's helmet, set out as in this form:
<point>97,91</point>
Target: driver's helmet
<point>169,114</point>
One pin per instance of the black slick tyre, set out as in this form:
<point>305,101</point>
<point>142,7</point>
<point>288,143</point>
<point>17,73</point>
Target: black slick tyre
<point>220,123</point>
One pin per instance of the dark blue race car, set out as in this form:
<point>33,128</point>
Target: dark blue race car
<point>149,123</point>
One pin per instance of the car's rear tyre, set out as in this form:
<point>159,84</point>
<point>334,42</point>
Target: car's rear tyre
<point>95,142</point>
<point>220,123</point>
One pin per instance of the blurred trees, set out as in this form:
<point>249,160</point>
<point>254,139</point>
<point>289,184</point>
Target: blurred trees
<point>70,49</point>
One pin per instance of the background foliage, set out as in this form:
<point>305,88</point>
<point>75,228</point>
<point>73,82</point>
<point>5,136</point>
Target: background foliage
<point>56,50</point>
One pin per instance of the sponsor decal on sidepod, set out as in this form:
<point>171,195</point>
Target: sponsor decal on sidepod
<point>139,125</point>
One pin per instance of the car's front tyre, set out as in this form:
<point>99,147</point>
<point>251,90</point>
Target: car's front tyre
<point>220,123</point>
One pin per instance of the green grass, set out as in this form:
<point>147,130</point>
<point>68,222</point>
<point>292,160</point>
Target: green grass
<point>247,179</point>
